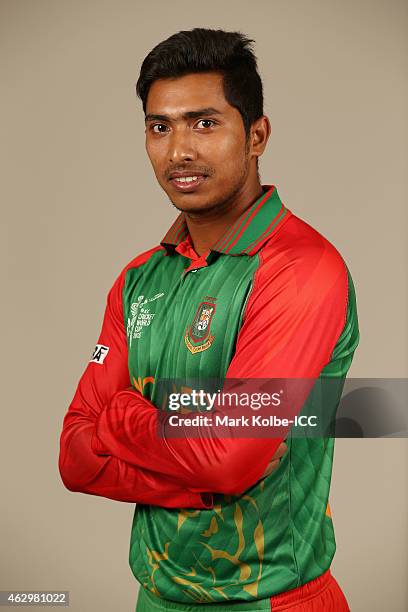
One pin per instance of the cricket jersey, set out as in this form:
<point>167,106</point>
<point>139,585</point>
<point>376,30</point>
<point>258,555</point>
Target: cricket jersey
<point>271,299</point>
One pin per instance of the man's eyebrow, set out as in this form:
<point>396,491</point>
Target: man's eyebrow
<point>201,112</point>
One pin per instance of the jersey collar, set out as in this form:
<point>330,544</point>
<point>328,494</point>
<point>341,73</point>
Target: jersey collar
<point>249,232</point>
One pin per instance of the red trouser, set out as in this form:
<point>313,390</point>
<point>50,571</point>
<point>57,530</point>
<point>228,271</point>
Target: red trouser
<point>320,595</point>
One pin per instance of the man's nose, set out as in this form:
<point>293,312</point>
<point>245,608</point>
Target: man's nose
<point>181,146</point>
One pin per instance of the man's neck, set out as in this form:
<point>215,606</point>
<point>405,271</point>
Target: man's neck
<point>206,230</point>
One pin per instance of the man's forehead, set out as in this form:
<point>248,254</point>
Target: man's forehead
<point>181,95</point>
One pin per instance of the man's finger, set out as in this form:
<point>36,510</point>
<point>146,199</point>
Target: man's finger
<point>282,448</point>
<point>272,465</point>
<point>275,461</point>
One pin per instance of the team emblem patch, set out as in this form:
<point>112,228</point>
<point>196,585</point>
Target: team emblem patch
<point>99,353</point>
<point>198,336</point>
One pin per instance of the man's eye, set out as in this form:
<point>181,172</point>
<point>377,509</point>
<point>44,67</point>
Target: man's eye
<point>205,123</point>
<point>159,128</point>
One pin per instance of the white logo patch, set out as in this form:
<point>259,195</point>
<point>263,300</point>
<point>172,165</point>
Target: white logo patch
<point>99,354</point>
<point>141,316</point>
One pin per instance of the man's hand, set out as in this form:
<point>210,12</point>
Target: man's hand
<point>274,462</point>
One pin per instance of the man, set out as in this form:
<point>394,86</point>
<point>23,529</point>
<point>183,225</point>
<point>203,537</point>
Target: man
<point>239,288</point>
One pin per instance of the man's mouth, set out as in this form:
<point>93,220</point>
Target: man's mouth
<point>187,182</point>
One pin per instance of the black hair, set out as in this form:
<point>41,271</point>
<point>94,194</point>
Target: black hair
<point>206,50</point>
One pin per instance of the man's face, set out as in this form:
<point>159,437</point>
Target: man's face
<point>196,142</point>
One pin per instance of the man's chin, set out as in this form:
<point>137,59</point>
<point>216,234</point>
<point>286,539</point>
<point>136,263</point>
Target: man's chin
<point>203,202</point>
<point>190,203</point>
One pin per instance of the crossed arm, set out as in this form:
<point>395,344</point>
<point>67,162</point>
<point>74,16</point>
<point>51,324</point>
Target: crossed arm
<point>109,441</point>
<point>81,468</point>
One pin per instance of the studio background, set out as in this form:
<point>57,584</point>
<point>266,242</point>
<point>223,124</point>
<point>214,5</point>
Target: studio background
<point>79,200</point>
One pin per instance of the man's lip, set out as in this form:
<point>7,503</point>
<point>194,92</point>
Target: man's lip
<point>188,186</point>
<point>174,175</point>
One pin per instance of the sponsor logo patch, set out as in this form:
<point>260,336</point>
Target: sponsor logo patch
<point>99,354</point>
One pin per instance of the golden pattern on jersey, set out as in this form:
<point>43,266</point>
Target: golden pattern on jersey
<point>155,558</point>
<point>194,588</point>
<point>140,383</point>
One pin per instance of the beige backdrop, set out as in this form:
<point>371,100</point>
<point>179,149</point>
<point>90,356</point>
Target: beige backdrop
<point>79,201</point>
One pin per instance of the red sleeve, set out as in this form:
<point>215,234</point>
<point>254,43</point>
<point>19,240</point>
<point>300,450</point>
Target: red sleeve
<point>81,468</point>
<point>293,319</point>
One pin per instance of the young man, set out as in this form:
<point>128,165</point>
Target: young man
<point>239,288</point>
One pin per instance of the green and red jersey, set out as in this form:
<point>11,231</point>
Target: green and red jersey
<point>272,299</point>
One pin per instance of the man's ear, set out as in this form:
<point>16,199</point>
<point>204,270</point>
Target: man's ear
<point>259,135</point>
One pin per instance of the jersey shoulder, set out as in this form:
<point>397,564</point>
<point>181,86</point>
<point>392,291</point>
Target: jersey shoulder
<point>300,253</point>
<point>138,261</point>
<point>115,293</point>
<point>142,258</point>
<point>298,240</point>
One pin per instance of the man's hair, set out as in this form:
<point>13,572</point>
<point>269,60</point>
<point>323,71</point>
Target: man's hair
<point>207,50</point>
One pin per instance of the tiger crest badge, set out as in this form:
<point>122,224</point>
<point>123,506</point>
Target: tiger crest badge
<point>198,336</point>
